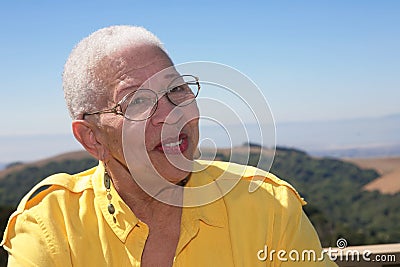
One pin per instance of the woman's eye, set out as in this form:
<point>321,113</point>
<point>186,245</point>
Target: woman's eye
<point>176,89</point>
<point>181,89</point>
<point>138,101</point>
<point>141,101</point>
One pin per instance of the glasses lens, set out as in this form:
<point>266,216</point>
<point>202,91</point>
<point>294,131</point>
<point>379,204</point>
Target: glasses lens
<point>183,90</point>
<point>141,105</point>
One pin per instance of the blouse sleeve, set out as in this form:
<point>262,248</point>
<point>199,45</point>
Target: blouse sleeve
<point>29,243</point>
<point>299,240</point>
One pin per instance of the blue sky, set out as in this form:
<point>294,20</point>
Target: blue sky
<point>313,60</point>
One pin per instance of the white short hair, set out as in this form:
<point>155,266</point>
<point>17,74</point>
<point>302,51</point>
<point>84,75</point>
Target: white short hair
<point>82,87</point>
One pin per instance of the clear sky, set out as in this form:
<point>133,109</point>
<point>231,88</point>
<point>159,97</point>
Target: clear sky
<point>314,59</point>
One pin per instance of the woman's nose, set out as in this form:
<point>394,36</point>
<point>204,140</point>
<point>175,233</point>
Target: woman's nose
<point>166,112</point>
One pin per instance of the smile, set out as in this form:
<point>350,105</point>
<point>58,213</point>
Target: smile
<point>174,144</point>
<point>169,146</point>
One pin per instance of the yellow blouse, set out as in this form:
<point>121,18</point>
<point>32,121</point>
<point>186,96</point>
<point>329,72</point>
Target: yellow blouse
<point>67,224</point>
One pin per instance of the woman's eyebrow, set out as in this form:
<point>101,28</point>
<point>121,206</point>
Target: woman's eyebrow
<point>172,75</point>
<point>119,94</point>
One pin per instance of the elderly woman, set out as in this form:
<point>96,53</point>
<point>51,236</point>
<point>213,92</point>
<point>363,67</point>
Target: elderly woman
<point>137,115</point>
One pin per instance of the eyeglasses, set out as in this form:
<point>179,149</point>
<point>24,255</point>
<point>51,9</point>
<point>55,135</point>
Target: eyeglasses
<point>142,103</point>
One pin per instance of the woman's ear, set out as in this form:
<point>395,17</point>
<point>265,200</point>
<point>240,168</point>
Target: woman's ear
<point>86,133</point>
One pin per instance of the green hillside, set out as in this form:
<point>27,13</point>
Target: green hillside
<point>338,207</point>
<point>14,185</point>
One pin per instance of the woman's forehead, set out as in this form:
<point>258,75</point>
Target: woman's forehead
<point>156,76</point>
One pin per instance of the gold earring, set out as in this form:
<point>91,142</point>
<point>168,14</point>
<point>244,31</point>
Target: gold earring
<point>107,184</point>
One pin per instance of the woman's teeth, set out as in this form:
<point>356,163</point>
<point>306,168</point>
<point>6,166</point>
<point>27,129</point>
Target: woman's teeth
<point>173,144</point>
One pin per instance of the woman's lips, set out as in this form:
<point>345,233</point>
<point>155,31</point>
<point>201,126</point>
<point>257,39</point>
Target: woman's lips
<point>174,146</point>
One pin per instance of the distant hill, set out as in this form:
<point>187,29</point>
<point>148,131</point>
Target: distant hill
<point>386,184</point>
<point>389,170</point>
<point>383,165</point>
<point>17,180</point>
<point>17,166</point>
<point>338,204</point>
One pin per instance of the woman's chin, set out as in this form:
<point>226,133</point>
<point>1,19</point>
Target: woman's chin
<point>174,176</point>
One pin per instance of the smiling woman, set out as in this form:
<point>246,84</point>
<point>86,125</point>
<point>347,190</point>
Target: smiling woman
<point>138,116</point>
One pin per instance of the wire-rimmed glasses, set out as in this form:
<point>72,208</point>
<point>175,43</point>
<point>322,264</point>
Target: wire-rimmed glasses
<point>141,104</point>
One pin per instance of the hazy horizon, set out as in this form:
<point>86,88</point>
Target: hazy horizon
<point>362,137</point>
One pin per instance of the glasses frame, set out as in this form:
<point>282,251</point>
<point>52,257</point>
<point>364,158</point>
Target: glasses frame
<point>117,109</point>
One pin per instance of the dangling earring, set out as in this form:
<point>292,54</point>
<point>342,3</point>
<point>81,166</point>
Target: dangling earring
<point>107,184</point>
